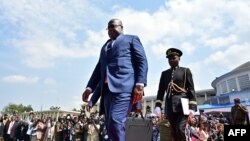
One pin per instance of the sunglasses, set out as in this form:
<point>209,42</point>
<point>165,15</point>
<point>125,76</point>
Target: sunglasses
<point>112,26</point>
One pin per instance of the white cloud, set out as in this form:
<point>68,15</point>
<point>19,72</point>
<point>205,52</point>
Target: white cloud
<point>203,75</point>
<point>20,79</point>
<point>51,30</point>
<point>221,41</point>
<point>61,29</point>
<point>151,89</point>
<point>160,48</point>
<point>201,23</point>
<point>153,27</point>
<point>218,63</point>
<point>232,57</point>
<point>239,18</point>
<point>46,53</point>
<point>192,24</point>
<point>187,47</point>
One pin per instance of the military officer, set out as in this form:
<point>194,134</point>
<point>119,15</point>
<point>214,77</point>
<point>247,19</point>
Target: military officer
<point>239,113</point>
<point>177,83</point>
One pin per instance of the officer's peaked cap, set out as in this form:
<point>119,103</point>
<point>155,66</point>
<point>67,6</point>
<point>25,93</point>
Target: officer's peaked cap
<point>173,51</point>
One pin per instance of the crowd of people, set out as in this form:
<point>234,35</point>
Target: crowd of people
<point>65,128</point>
<point>201,127</point>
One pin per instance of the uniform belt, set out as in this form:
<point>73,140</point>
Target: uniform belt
<point>178,93</point>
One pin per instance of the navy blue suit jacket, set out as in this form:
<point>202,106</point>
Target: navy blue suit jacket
<point>124,65</point>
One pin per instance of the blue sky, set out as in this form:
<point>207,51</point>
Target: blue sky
<point>48,48</point>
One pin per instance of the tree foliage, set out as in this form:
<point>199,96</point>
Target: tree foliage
<point>76,110</point>
<point>55,108</point>
<point>19,108</point>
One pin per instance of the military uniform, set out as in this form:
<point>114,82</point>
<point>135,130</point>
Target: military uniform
<point>239,115</point>
<point>177,83</point>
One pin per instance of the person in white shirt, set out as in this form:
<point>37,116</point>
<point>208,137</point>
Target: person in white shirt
<point>201,132</point>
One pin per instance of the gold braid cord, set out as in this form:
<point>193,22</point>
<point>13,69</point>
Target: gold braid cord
<point>177,88</point>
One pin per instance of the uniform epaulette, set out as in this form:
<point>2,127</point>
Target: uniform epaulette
<point>158,101</point>
<point>193,102</point>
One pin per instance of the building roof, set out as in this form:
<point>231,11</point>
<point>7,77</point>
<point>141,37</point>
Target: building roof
<point>239,69</point>
<point>243,95</point>
<point>245,65</point>
<point>205,91</point>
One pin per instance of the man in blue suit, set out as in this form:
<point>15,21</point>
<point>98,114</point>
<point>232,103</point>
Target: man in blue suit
<point>122,71</point>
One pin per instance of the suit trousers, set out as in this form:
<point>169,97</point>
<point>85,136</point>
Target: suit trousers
<point>116,106</point>
<point>178,122</point>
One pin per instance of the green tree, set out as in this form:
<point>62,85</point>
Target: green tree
<point>55,108</point>
<point>74,109</point>
<point>19,108</point>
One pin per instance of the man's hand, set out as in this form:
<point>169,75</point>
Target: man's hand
<point>138,93</point>
<point>85,95</point>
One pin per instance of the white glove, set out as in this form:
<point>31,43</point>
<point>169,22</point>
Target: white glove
<point>157,111</point>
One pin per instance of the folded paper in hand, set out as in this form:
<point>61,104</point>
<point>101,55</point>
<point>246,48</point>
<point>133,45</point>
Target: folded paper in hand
<point>185,106</point>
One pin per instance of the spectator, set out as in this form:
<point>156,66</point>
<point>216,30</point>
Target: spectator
<point>220,132</point>
<point>155,129</point>
<point>1,128</point>
<point>203,135</point>
<point>165,129</point>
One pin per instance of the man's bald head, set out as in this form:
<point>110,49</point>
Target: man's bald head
<point>115,28</point>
